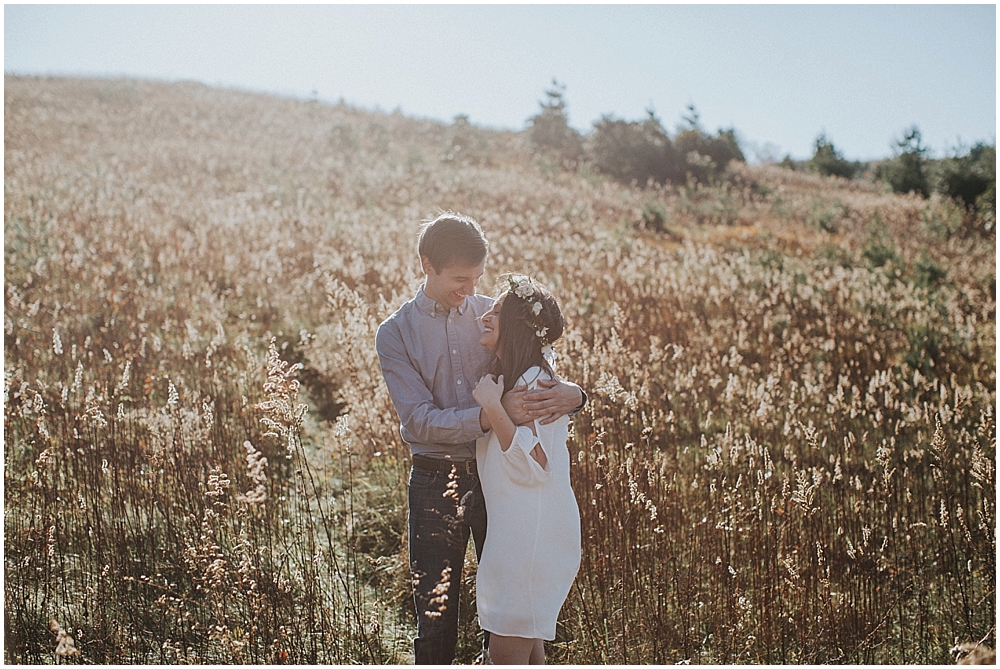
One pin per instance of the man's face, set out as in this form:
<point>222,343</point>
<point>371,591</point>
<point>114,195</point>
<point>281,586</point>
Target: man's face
<point>451,285</point>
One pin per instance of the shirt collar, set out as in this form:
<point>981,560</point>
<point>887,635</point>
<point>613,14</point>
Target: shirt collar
<point>432,308</point>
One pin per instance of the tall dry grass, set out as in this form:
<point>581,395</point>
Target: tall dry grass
<point>788,456</point>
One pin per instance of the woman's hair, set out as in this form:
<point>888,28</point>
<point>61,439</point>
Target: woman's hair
<point>519,347</point>
<point>452,240</point>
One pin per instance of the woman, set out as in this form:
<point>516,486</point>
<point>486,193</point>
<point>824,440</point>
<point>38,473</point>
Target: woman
<point>532,549</point>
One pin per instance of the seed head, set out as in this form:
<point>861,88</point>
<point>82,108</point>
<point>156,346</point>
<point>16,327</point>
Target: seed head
<point>65,647</point>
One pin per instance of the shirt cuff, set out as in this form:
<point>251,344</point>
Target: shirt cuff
<point>470,422</point>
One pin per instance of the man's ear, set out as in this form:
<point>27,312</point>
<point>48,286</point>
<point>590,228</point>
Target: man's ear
<point>427,266</point>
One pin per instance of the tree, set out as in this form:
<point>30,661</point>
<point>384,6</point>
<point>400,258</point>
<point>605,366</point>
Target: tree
<point>905,173</point>
<point>827,160</point>
<point>705,157</point>
<point>692,119</point>
<point>550,127</point>
<point>724,148</point>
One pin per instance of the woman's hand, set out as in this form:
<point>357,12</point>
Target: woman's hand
<point>489,391</point>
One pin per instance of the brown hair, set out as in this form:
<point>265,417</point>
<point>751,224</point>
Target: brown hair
<point>452,240</point>
<point>518,348</point>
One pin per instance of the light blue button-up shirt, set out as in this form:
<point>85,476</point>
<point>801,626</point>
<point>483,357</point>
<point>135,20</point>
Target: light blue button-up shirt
<point>431,361</point>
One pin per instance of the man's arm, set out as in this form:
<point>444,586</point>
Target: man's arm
<point>413,401</point>
<point>553,399</point>
<point>513,405</point>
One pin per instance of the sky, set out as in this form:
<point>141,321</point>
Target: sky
<point>779,74</point>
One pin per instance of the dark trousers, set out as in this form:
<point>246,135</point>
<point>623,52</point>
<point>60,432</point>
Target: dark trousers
<point>440,524</point>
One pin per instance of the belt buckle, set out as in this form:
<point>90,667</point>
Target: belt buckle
<point>470,467</point>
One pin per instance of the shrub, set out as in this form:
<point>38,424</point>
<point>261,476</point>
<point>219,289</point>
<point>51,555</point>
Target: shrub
<point>711,205</point>
<point>927,272</point>
<point>828,218</point>
<point>654,217</point>
<point>943,218</point>
<point>879,249</point>
<point>986,207</point>
<point>633,151</point>
<point>966,178</point>
<point>789,163</point>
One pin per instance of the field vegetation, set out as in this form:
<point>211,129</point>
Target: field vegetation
<point>788,455</point>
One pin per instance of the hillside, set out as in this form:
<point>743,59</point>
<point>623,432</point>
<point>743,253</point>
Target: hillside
<point>788,450</point>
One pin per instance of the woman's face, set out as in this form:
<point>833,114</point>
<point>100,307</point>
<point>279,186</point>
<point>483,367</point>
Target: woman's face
<point>491,326</point>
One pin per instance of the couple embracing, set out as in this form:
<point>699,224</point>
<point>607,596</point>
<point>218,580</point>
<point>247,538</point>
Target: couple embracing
<point>486,418</point>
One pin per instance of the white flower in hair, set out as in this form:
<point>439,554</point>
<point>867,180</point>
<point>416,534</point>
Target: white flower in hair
<point>549,354</point>
<point>524,289</point>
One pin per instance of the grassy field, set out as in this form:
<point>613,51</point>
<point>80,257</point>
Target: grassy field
<point>788,455</point>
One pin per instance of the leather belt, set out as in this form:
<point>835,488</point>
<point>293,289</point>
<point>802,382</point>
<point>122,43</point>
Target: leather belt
<point>440,465</point>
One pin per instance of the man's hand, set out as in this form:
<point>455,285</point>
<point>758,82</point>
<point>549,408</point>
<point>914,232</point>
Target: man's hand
<point>513,404</point>
<point>551,401</point>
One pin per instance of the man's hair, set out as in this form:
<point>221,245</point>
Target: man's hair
<point>452,240</point>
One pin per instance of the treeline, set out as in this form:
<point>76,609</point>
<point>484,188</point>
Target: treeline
<point>639,152</point>
<point>642,152</point>
<point>968,176</point>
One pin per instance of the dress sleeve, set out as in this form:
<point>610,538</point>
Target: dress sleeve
<point>517,461</point>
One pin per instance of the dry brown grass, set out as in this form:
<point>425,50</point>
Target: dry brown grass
<point>788,455</point>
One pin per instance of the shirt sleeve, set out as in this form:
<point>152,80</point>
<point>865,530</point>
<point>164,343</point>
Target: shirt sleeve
<point>421,418</point>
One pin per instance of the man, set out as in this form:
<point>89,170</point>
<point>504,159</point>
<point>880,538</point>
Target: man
<point>431,360</point>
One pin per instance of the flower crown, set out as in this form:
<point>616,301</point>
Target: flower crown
<point>522,286</point>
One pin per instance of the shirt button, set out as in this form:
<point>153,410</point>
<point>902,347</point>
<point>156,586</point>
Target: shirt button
<point>454,351</point>
<point>460,382</point>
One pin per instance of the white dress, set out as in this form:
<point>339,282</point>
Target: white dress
<point>532,549</point>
